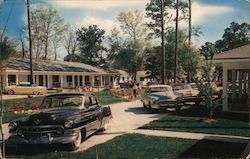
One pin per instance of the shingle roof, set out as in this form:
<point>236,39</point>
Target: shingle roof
<point>242,52</point>
<point>49,65</point>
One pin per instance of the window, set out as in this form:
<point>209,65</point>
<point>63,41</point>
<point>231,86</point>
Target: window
<point>72,101</point>
<point>55,78</point>
<point>87,102</point>
<point>29,78</point>
<point>62,101</point>
<point>11,79</point>
<point>93,100</point>
<point>87,80</point>
<point>69,78</point>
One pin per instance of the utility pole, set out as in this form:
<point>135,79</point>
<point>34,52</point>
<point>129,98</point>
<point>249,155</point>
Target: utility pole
<point>189,24</point>
<point>30,43</point>
<point>176,41</point>
<point>189,38</point>
<point>164,78</point>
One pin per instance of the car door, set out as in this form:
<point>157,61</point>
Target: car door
<point>91,115</point>
<point>96,113</point>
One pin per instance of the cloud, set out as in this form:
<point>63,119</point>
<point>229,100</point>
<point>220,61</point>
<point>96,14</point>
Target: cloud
<point>106,24</point>
<point>200,12</point>
<point>99,4</point>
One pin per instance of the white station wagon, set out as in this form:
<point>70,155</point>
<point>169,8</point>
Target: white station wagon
<point>25,88</point>
<point>160,97</point>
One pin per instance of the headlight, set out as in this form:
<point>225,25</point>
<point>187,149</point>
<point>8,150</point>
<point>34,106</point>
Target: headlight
<point>59,131</point>
<point>68,124</point>
<point>12,126</point>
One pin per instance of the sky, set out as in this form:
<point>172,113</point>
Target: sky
<point>213,16</point>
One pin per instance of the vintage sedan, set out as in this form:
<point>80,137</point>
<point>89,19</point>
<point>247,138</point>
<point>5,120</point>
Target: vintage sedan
<point>65,118</point>
<point>25,88</point>
<point>160,97</point>
<point>185,90</point>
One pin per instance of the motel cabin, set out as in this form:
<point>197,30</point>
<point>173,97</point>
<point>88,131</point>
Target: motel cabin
<point>56,74</point>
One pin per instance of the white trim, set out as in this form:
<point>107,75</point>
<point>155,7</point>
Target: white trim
<point>225,95</point>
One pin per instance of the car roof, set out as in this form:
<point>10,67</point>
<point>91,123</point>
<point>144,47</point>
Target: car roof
<point>69,94</point>
<point>159,85</point>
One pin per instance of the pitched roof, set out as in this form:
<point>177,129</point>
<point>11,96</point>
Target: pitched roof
<point>242,52</point>
<point>49,65</point>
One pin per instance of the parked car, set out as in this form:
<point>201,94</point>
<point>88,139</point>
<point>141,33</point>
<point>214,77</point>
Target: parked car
<point>160,97</point>
<point>185,90</point>
<point>65,118</point>
<point>25,88</point>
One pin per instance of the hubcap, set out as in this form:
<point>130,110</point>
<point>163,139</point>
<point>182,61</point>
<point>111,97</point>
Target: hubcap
<point>77,142</point>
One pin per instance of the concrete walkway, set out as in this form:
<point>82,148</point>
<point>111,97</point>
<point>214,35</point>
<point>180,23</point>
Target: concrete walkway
<point>195,136</point>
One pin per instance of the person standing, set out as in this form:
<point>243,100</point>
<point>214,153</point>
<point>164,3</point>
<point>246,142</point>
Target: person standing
<point>134,89</point>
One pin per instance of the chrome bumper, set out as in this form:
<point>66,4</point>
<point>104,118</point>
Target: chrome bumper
<point>17,139</point>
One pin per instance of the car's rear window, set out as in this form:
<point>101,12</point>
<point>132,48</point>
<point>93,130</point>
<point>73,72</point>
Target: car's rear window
<point>62,101</point>
<point>157,89</point>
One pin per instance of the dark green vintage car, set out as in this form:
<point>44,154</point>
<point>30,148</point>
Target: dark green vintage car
<point>66,118</point>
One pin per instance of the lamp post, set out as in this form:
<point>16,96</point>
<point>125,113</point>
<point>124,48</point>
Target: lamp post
<point>98,85</point>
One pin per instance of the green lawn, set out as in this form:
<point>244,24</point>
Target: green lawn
<point>106,98</point>
<point>130,146</point>
<point>199,124</point>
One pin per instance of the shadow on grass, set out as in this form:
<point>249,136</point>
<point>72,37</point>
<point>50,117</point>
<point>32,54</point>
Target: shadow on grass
<point>214,149</point>
<point>201,111</point>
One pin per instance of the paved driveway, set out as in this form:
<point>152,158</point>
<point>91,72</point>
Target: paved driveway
<point>127,116</point>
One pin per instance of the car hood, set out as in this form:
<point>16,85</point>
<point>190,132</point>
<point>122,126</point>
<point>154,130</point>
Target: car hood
<point>48,117</point>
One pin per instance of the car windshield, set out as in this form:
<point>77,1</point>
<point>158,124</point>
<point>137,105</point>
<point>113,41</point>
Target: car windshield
<point>158,89</point>
<point>180,87</point>
<point>62,101</point>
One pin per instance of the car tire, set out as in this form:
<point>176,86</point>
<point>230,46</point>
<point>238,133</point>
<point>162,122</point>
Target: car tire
<point>36,93</point>
<point>104,128</point>
<point>10,92</point>
<point>77,143</point>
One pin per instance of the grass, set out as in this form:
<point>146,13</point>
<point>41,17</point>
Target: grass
<point>200,125</point>
<point>106,98</point>
<point>135,146</point>
<point>130,146</point>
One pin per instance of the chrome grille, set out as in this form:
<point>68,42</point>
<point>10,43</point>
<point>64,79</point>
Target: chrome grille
<point>36,131</point>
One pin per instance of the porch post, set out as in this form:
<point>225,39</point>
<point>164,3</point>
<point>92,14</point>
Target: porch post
<point>48,82</point>
<point>6,80</point>
<point>78,80</point>
<point>109,80</point>
<point>83,80</point>
<point>92,81</point>
<point>101,81</point>
<point>233,85</point>
<point>240,84</point>
<point>61,81</point>
<point>17,79</point>
<point>225,95</point>
<point>44,80</point>
<point>73,81</point>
